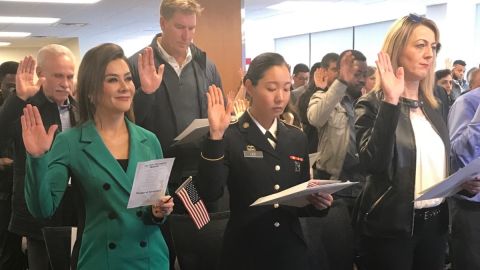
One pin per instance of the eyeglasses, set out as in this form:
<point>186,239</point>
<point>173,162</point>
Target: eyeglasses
<point>415,18</point>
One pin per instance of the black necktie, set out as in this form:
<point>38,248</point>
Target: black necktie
<point>273,139</point>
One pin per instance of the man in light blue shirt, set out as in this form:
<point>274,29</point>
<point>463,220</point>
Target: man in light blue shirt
<point>464,128</point>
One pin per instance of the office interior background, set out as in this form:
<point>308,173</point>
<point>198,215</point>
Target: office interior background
<point>234,31</point>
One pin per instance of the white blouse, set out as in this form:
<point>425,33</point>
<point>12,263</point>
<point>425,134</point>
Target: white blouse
<point>431,162</point>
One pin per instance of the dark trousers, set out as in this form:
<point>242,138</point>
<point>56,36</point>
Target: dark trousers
<point>11,255</point>
<point>337,235</point>
<point>465,242</point>
<point>37,255</point>
<point>425,250</point>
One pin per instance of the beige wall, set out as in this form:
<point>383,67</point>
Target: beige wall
<point>219,34</point>
<point>17,54</point>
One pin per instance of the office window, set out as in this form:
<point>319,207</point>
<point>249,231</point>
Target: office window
<point>330,41</point>
<point>476,53</point>
<point>295,49</point>
<point>369,39</point>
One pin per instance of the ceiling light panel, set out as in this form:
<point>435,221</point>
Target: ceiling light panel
<point>28,20</point>
<point>56,1</point>
<point>14,34</point>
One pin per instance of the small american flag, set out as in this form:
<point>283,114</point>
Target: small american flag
<point>195,206</point>
<point>312,184</point>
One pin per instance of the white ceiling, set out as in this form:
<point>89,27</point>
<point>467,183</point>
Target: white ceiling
<point>105,21</point>
<point>119,21</point>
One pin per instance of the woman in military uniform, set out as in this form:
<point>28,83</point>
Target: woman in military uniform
<point>257,156</point>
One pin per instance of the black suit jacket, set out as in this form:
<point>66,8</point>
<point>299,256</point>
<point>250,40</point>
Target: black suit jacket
<point>386,144</point>
<point>260,237</point>
<point>22,221</point>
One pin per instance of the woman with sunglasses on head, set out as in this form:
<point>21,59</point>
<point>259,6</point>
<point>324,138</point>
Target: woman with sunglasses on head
<point>403,144</point>
<point>100,155</point>
<point>257,156</point>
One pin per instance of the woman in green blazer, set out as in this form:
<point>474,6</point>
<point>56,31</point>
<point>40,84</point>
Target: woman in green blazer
<point>101,156</point>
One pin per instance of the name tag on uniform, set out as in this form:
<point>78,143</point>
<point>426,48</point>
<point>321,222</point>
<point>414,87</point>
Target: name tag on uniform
<point>251,152</point>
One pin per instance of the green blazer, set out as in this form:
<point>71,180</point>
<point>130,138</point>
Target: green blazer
<point>113,237</point>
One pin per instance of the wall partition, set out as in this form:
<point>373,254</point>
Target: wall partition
<point>310,48</point>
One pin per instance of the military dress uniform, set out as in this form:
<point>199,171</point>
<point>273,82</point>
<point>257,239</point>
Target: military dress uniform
<point>259,237</point>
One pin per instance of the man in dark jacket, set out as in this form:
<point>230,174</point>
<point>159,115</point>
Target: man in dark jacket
<point>169,108</point>
<point>11,255</point>
<point>52,96</point>
<point>178,94</point>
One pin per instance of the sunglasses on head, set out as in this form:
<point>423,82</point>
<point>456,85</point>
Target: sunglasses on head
<point>415,18</point>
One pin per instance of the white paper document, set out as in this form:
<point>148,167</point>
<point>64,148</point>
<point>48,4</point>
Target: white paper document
<point>295,196</point>
<point>150,183</point>
<point>451,185</point>
<point>196,124</point>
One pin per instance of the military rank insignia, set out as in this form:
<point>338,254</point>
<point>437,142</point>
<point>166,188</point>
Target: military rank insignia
<point>297,161</point>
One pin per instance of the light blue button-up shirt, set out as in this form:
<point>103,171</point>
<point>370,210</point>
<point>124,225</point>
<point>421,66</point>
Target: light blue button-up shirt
<point>464,129</point>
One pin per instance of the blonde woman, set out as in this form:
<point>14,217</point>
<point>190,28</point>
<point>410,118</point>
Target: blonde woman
<point>403,144</point>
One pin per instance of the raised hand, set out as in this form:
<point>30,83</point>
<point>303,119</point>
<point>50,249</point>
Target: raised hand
<point>218,116</point>
<point>393,84</point>
<point>36,140</point>
<point>25,86</point>
<point>163,207</point>
<point>239,107</point>
<point>320,78</point>
<point>150,76</point>
<point>348,68</point>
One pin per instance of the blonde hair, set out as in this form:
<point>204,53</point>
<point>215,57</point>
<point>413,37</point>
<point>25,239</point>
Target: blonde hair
<point>395,43</point>
<point>169,7</point>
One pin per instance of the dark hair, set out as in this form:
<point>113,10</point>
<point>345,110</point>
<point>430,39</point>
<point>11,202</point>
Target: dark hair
<point>300,68</point>
<point>9,67</point>
<point>357,55</point>
<point>261,64</point>
<point>459,62</point>
<point>328,58</point>
<point>90,78</point>
<point>311,80</point>
<point>442,73</point>
<point>304,99</point>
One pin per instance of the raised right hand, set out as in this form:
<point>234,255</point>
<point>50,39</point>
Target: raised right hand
<point>320,78</point>
<point>25,86</point>
<point>347,68</point>
<point>218,116</point>
<point>36,140</point>
<point>240,106</point>
<point>150,77</point>
<point>393,84</point>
